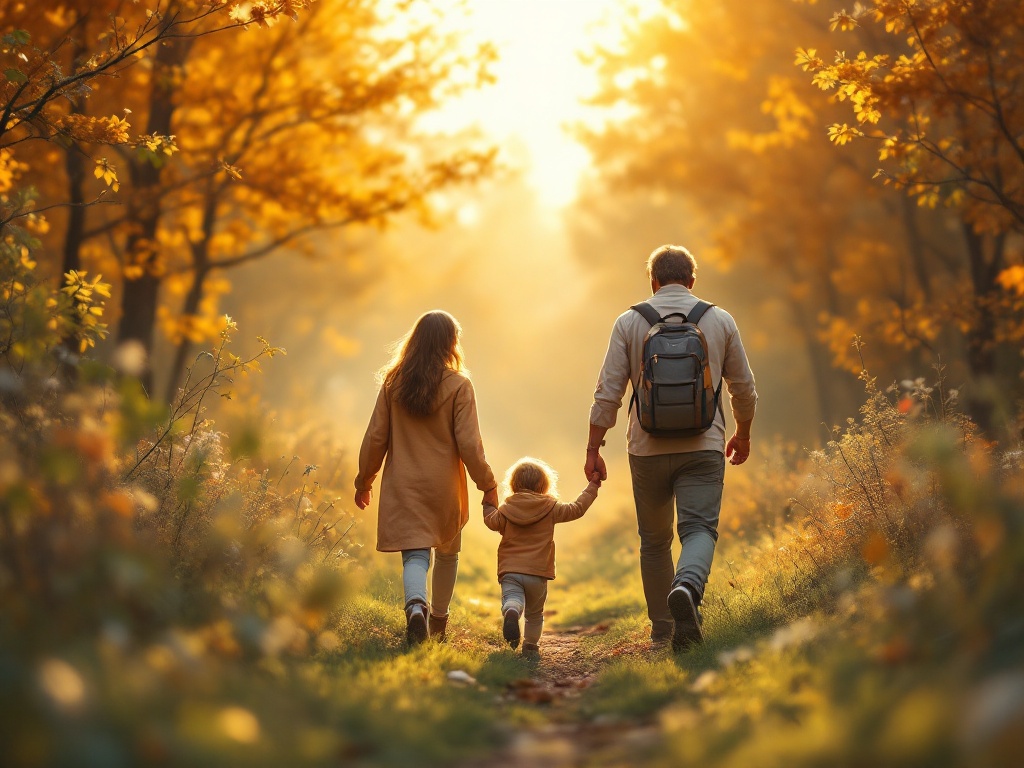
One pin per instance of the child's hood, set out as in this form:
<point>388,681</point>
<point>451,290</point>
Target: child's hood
<point>526,507</point>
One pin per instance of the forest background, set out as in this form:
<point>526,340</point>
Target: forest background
<point>177,175</point>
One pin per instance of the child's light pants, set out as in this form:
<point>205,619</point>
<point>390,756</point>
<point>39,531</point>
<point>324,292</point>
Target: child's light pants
<point>416,563</point>
<point>525,594</point>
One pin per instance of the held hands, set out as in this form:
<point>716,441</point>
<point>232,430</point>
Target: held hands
<point>595,465</point>
<point>491,497</point>
<point>596,478</point>
<point>738,448</point>
<point>363,499</point>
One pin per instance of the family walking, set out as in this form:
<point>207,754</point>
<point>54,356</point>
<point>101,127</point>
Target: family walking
<point>675,350</point>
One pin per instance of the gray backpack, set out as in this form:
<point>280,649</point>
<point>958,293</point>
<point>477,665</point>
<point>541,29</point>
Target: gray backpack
<point>674,395</point>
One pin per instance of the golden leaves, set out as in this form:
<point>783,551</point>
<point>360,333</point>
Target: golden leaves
<point>10,170</point>
<point>840,134</point>
<point>842,21</point>
<point>86,310</point>
<point>94,130</point>
<point>807,59</point>
<point>105,171</point>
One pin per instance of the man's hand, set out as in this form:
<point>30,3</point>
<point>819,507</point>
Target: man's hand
<point>363,499</point>
<point>738,448</point>
<point>595,465</point>
<point>491,497</point>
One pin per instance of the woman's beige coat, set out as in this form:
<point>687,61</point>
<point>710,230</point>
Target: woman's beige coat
<point>424,501</point>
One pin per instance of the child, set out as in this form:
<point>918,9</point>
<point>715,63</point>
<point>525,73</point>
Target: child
<point>425,423</point>
<point>526,554</point>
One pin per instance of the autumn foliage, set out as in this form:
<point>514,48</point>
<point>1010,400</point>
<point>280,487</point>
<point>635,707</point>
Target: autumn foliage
<point>905,231</point>
<point>183,584</point>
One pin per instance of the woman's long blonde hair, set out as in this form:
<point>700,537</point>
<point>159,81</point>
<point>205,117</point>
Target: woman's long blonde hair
<point>413,376</point>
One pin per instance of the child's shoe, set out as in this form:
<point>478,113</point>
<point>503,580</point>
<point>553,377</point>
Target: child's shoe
<point>415,622</point>
<point>510,629</point>
<point>531,650</point>
<point>686,632</point>
<point>438,626</point>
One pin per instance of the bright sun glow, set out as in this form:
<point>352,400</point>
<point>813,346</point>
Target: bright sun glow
<point>540,84</point>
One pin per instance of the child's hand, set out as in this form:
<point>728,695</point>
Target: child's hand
<point>596,478</point>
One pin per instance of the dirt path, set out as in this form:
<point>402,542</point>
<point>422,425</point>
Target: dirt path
<point>567,737</point>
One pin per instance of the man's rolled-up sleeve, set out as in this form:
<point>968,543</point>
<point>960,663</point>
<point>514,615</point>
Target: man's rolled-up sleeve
<point>612,381</point>
<point>739,378</point>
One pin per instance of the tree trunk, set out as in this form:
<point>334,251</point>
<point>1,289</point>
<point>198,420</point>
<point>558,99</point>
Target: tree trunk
<point>74,168</point>
<point>981,338</point>
<point>915,246</point>
<point>139,302</point>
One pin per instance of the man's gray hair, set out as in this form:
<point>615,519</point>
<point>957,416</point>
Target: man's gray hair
<point>671,264</point>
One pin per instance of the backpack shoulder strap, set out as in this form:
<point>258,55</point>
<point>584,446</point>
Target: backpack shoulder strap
<point>649,313</point>
<point>698,311</point>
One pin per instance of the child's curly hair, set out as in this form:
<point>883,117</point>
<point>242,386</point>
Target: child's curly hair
<point>530,474</point>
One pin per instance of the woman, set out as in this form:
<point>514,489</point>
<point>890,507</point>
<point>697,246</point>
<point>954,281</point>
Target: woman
<point>425,424</point>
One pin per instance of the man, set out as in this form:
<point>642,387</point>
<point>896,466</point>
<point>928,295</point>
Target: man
<point>688,470</point>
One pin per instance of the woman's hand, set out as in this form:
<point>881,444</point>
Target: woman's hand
<point>363,499</point>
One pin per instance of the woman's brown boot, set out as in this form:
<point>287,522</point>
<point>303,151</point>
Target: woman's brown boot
<point>438,625</point>
<point>415,622</point>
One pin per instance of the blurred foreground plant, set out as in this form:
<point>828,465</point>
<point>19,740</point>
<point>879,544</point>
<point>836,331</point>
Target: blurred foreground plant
<point>142,580</point>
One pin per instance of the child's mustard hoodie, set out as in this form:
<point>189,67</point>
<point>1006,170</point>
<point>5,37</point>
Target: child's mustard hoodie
<point>526,522</point>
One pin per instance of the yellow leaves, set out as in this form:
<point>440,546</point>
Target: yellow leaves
<point>269,349</point>
<point>105,171</point>
<point>840,134</point>
<point>158,145</point>
<point>825,78</point>
<point>85,310</point>
<point>10,170</point>
<point>892,148</point>
<point>232,172</point>
<point>842,21</point>
<point>77,285</point>
<point>807,59</point>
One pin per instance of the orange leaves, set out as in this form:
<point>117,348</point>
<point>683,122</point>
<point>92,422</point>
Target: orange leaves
<point>94,130</point>
<point>1012,280</point>
<point>947,97</point>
